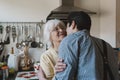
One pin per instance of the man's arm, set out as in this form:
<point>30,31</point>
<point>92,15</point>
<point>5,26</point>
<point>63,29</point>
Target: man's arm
<point>68,52</point>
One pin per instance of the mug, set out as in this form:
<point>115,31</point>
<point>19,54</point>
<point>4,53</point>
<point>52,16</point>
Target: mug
<point>36,66</point>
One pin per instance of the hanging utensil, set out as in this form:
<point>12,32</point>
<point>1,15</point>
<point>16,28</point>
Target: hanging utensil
<point>34,44</point>
<point>23,44</point>
<point>13,33</point>
<point>1,32</point>
<point>26,32</point>
<point>1,29</point>
<point>7,37</point>
<point>1,43</point>
<point>18,45</point>
<point>30,36</point>
<point>41,44</point>
<point>1,48</point>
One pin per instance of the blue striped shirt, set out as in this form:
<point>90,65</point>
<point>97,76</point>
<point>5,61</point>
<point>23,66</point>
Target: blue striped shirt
<point>83,58</point>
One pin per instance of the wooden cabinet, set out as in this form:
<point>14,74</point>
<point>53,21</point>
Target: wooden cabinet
<point>117,23</point>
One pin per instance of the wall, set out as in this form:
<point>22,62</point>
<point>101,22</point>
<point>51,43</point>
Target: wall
<point>104,23</point>
<point>108,21</point>
<point>26,10</point>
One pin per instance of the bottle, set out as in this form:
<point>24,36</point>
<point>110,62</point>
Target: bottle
<point>25,61</point>
<point>5,72</point>
<point>13,60</point>
<point>12,50</point>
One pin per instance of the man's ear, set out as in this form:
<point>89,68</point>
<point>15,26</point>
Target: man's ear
<point>73,24</point>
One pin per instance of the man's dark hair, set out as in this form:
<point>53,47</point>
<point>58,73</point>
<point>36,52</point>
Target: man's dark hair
<point>82,20</point>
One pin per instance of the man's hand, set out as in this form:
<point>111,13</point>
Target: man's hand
<point>60,66</point>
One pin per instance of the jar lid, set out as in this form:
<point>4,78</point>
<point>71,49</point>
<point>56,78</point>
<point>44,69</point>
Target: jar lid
<point>4,67</point>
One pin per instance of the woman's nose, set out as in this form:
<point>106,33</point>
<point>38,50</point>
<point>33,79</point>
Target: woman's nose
<point>60,30</point>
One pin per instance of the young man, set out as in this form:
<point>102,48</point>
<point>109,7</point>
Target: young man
<point>83,53</point>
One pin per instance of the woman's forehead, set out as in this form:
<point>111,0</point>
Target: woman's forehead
<point>57,26</point>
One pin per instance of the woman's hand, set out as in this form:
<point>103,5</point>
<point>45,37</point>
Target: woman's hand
<point>60,66</point>
<point>41,74</point>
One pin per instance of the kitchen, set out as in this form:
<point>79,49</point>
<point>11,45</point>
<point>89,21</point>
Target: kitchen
<point>34,11</point>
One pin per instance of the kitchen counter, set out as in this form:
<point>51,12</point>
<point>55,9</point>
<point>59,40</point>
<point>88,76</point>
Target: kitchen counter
<point>14,77</point>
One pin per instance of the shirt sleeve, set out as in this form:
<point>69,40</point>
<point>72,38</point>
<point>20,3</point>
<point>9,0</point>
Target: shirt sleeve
<point>46,66</point>
<point>68,51</point>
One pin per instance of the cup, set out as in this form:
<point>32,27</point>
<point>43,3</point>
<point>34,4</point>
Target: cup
<point>36,66</point>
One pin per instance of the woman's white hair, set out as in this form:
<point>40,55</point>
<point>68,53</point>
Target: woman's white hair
<point>49,26</point>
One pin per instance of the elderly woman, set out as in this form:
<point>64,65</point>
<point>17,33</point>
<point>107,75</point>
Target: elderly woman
<point>54,32</point>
